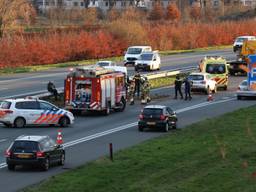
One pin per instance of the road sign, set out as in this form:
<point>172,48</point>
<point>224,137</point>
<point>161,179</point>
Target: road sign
<point>252,72</point>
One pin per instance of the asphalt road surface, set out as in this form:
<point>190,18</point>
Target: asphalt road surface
<point>89,137</point>
<point>33,83</point>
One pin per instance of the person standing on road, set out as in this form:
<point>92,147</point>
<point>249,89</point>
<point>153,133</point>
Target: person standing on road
<point>177,86</point>
<point>52,89</point>
<point>187,84</point>
<point>131,92</point>
<point>137,78</point>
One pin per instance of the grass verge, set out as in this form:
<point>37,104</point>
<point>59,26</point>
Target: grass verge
<point>213,155</point>
<point>35,68</point>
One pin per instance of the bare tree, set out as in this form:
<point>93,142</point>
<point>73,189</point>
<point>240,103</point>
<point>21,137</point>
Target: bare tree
<point>10,10</point>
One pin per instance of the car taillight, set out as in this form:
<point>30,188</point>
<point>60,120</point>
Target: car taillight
<point>162,117</point>
<point>141,116</point>
<point>40,154</point>
<point>7,153</point>
<point>8,111</point>
<point>203,82</point>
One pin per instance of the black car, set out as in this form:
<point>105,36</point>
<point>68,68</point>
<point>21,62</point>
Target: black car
<point>34,150</point>
<point>157,116</point>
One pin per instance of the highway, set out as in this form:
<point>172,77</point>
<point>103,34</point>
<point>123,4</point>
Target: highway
<point>89,137</point>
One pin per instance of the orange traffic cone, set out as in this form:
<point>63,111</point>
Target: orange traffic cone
<point>210,98</point>
<point>59,140</point>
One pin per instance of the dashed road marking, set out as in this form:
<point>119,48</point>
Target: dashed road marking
<point>130,125</point>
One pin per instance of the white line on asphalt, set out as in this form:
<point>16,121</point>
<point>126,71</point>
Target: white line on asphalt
<point>130,125</point>
<point>33,77</point>
<point>3,140</point>
<point>1,89</point>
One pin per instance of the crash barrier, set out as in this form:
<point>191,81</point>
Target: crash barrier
<point>153,75</point>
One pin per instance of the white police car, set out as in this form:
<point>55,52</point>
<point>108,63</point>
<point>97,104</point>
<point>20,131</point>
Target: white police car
<point>21,112</point>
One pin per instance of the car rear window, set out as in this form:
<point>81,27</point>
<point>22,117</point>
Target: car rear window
<point>5,105</point>
<point>244,83</point>
<point>24,146</point>
<point>196,77</point>
<point>151,111</point>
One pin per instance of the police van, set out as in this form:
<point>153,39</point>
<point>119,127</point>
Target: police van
<point>21,112</point>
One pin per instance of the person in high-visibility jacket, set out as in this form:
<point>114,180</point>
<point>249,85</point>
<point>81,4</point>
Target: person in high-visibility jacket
<point>145,91</point>
<point>131,91</point>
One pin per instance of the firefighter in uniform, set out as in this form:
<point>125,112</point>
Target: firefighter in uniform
<point>145,91</point>
<point>131,92</point>
<point>137,78</point>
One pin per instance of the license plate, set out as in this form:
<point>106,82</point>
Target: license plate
<point>23,156</point>
<point>151,123</point>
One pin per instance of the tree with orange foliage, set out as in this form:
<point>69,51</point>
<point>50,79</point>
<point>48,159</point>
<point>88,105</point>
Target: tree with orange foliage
<point>157,12</point>
<point>10,10</point>
<point>195,13</point>
<point>172,12</point>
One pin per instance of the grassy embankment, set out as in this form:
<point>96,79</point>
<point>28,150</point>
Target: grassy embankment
<point>213,155</point>
<point>93,61</point>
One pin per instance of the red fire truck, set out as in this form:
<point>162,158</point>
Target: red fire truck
<point>95,89</point>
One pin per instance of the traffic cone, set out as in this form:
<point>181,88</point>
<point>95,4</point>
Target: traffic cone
<point>59,140</point>
<point>210,98</point>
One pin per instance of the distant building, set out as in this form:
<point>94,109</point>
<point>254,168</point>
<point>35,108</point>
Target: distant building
<point>101,4</point>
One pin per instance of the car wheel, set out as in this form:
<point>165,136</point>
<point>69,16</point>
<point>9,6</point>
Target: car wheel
<point>174,126</point>
<point>140,128</point>
<point>46,165</point>
<point>239,97</point>
<point>62,159</point>
<point>11,167</point>
<point>64,121</point>
<point>166,127</point>
<point>19,122</point>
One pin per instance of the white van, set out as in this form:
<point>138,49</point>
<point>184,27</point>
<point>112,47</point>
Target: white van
<point>237,46</point>
<point>133,53</point>
<point>148,61</point>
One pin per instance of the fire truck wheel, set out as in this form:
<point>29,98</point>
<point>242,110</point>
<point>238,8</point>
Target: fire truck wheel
<point>107,110</point>
<point>225,87</point>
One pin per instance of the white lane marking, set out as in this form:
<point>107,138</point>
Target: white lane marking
<point>3,140</point>
<point>3,88</point>
<point>34,77</point>
<point>127,126</point>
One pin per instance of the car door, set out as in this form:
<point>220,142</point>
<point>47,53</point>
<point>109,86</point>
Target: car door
<point>28,110</point>
<point>55,150</point>
<point>46,113</point>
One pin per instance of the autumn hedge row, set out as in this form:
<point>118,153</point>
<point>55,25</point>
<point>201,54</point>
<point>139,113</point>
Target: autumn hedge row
<point>58,47</point>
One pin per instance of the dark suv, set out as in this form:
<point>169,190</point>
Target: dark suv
<point>34,150</point>
<point>157,116</point>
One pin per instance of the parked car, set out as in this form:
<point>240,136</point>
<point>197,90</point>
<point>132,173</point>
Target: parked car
<point>133,53</point>
<point>157,116</point>
<point>148,61</point>
<point>34,151</point>
<point>202,82</point>
<point>105,63</point>
<point>239,42</point>
<point>243,86</point>
<point>21,112</point>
